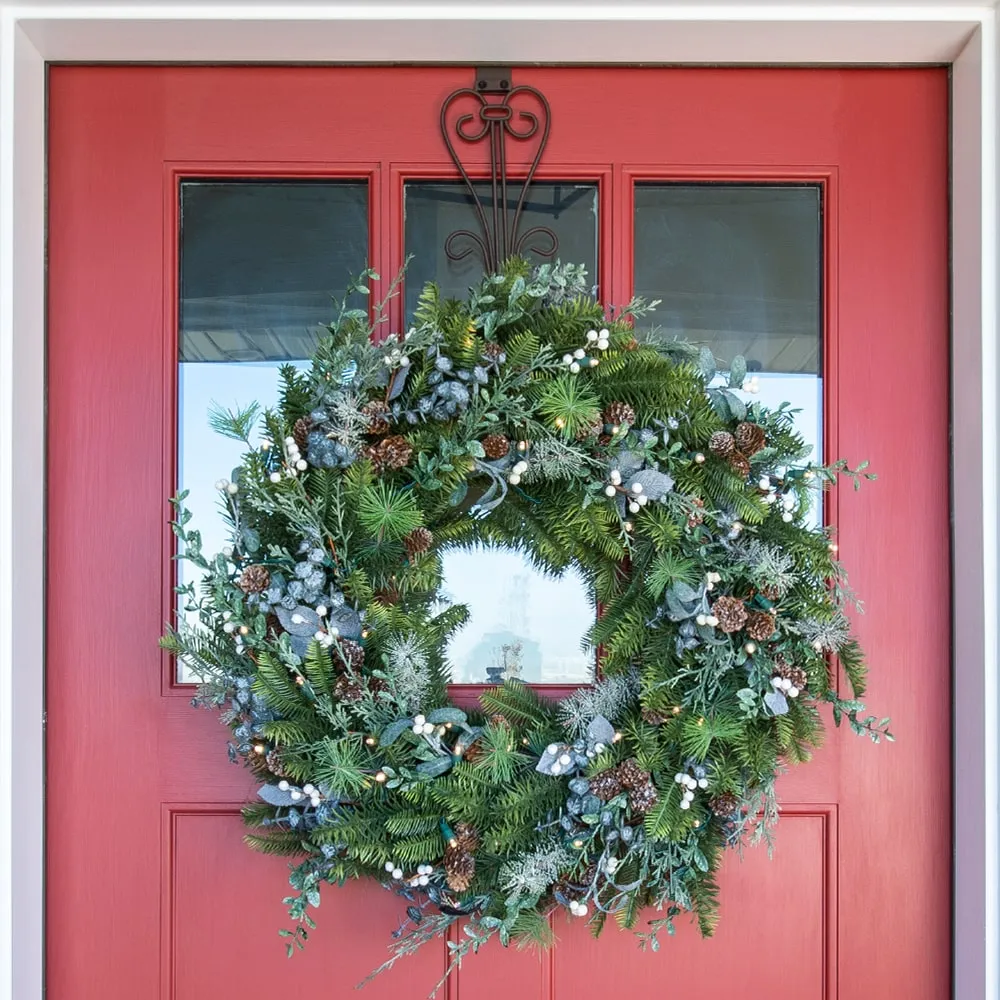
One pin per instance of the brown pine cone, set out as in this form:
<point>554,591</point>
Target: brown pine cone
<point>760,625</point>
<point>750,438</point>
<point>771,592</point>
<point>789,672</point>
<point>254,579</point>
<point>300,431</point>
<point>631,344</point>
<point>348,655</point>
<point>655,717</point>
<point>697,515</point>
<point>392,452</point>
<point>417,542</point>
<point>496,446</point>
<point>273,760</point>
<point>642,798</point>
<point>492,350</point>
<point>606,785</point>
<point>348,688</point>
<point>377,413</point>
<point>740,464</point>
<point>466,836</point>
<point>722,443</point>
<point>631,775</point>
<point>731,612</point>
<point>596,429</point>
<point>617,413</point>
<point>460,869</point>
<point>724,804</point>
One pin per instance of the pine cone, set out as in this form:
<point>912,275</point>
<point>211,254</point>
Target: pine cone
<point>750,438</point>
<point>460,868</point>
<point>417,542</point>
<point>631,344</point>
<point>642,798</point>
<point>596,429</point>
<point>731,612</point>
<point>496,446</point>
<point>499,719</point>
<point>392,452</point>
<point>617,413</point>
<point>377,413</point>
<point>722,443</point>
<point>300,431</point>
<point>631,775</point>
<point>724,804</point>
<point>697,514</point>
<point>654,717</point>
<point>348,655</point>
<point>788,672</point>
<point>273,760</point>
<point>740,464</point>
<point>254,580</point>
<point>771,592</point>
<point>606,785</point>
<point>493,351</point>
<point>467,836</point>
<point>348,688</point>
<point>760,625</point>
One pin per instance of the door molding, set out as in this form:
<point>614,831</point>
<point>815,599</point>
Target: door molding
<point>961,35</point>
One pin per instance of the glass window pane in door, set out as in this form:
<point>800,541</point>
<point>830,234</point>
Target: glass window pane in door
<point>739,267</point>
<point>433,211</point>
<point>260,262</point>
<point>522,623</point>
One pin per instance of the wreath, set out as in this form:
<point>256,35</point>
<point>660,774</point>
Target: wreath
<point>526,417</point>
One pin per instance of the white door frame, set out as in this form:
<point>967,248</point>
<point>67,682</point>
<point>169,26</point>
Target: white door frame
<point>466,32</point>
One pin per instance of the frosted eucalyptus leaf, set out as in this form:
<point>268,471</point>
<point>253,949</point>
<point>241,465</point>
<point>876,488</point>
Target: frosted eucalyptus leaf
<point>600,731</point>
<point>737,372</point>
<point>776,702</point>
<point>274,796</point>
<point>655,484</point>
<point>298,621</point>
<point>393,731</point>
<point>435,767</point>
<point>442,715</point>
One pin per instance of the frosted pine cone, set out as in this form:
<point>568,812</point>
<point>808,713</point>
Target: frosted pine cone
<point>273,760</point>
<point>740,464</point>
<point>786,671</point>
<point>466,836</point>
<point>348,655</point>
<point>417,542</point>
<point>254,580</point>
<point>642,798</point>
<point>393,452</point>
<point>731,612</point>
<point>631,775</point>
<point>724,804</point>
<point>493,351</point>
<point>596,429</point>
<point>617,413</point>
<point>750,438</point>
<point>460,869</point>
<point>760,625</point>
<point>496,446</point>
<point>300,431</point>
<point>722,443</point>
<point>606,785</point>
<point>377,414</point>
<point>348,688</point>
<point>696,515</point>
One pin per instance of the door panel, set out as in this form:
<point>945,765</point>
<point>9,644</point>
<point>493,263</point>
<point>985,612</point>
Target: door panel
<point>150,891</point>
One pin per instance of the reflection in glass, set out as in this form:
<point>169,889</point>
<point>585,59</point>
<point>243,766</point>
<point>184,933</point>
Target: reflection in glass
<point>738,267</point>
<point>434,211</point>
<point>522,624</point>
<point>259,263</point>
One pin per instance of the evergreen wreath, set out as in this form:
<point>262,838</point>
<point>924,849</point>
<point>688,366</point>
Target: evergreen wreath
<point>524,418</point>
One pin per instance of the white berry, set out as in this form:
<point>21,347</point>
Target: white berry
<point>579,353</point>
<point>513,479</point>
<point>699,458</point>
<point>603,345</point>
<point>634,508</point>
<point>679,777</point>
<point>521,467</point>
<point>703,782</point>
<point>552,748</point>
<point>616,477</point>
<point>295,795</point>
<point>712,620</point>
<point>428,728</point>
<point>565,760</point>
<point>397,873</point>
<point>599,748</point>
<point>786,517</point>
<point>574,367</point>
<point>321,610</point>
<point>308,789</point>
<point>610,491</point>
<point>685,804</point>
<point>423,880</point>
<point>283,785</point>
<point>701,620</point>
<point>750,648</point>
<point>567,359</point>
<point>232,489</point>
<point>275,477</point>
<point>592,335</point>
<point>793,692</point>
<point>637,488</point>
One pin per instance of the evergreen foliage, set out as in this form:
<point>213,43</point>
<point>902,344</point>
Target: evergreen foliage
<point>320,635</point>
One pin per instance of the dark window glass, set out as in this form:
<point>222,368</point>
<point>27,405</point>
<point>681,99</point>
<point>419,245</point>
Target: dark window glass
<point>738,267</point>
<point>434,211</point>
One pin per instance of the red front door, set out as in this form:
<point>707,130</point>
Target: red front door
<point>700,186</point>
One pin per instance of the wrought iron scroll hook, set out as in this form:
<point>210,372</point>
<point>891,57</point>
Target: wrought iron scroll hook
<point>496,120</point>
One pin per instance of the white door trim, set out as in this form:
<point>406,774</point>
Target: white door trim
<point>463,31</point>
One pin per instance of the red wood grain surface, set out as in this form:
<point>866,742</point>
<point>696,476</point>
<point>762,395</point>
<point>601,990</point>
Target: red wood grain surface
<point>150,891</point>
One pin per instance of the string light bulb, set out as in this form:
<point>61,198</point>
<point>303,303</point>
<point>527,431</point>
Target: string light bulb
<point>381,777</point>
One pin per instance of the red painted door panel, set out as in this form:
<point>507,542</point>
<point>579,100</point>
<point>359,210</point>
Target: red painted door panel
<point>150,890</point>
